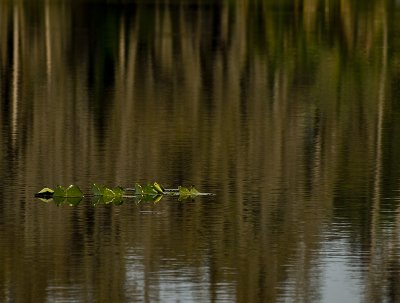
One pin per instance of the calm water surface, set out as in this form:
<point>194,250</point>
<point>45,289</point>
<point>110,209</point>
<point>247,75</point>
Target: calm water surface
<point>287,110</point>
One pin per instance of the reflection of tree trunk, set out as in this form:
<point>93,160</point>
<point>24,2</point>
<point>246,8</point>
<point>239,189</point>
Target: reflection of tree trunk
<point>381,104</point>
<point>48,43</point>
<point>375,248</point>
<point>122,53</point>
<point>15,77</point>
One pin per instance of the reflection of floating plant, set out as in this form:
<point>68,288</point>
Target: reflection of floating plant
<point>102,194</point>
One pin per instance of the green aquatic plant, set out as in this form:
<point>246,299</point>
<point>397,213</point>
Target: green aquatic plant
<point>71,201</point>
<point>45,192</point>
<point>101,190</point>
<point>101,194</point>
<point>185,192</point>
<point>159,188</point>
<point>98,200</point>
<point>71,191</point>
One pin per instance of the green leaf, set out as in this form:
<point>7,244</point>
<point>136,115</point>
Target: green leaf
<point>119,191</point>
<point>96,200</point>
<point>118,201</point>
<point>194,192</point>
<point>108,192</point>
<point>138,189</point>
<point>100,190</point>
<point>138,199</point>
<point>149,190</point>
<point>45,193</point>
<point>73,201</point>
<point>46,190</point>
<point>149,198</point>
<point>58,200</point>
<point>97,190</point>
<point>108,199</point>
<point>46,200</point>
<point>183,197</point>
<point>159,188</point>
<point>73,191</point>
<point>59,191</point>
<point>183,191</point>
<point>157,199</point>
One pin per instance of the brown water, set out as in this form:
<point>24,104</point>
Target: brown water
<point>287,110</point>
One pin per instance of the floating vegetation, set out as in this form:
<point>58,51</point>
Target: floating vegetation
<point>100,194</point>
<point>71,191</point>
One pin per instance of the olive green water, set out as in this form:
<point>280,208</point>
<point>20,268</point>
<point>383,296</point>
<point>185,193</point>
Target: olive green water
<point>289,111</point>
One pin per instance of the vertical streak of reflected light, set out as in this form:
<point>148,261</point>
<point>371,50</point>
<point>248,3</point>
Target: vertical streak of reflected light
<point>379,127</point>
<point>15,77</point>
<point>377,246</point>
<point>48,42</point>
<point>122,48</point>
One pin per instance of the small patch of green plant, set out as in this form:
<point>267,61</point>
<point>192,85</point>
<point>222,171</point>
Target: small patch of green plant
<point>185,192</point>
<point>72,195</point>
<point>71,201</point>
<point>71,191</point>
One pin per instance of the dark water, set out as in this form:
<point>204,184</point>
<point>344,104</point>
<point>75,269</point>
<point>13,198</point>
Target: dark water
<point>287,110</point>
